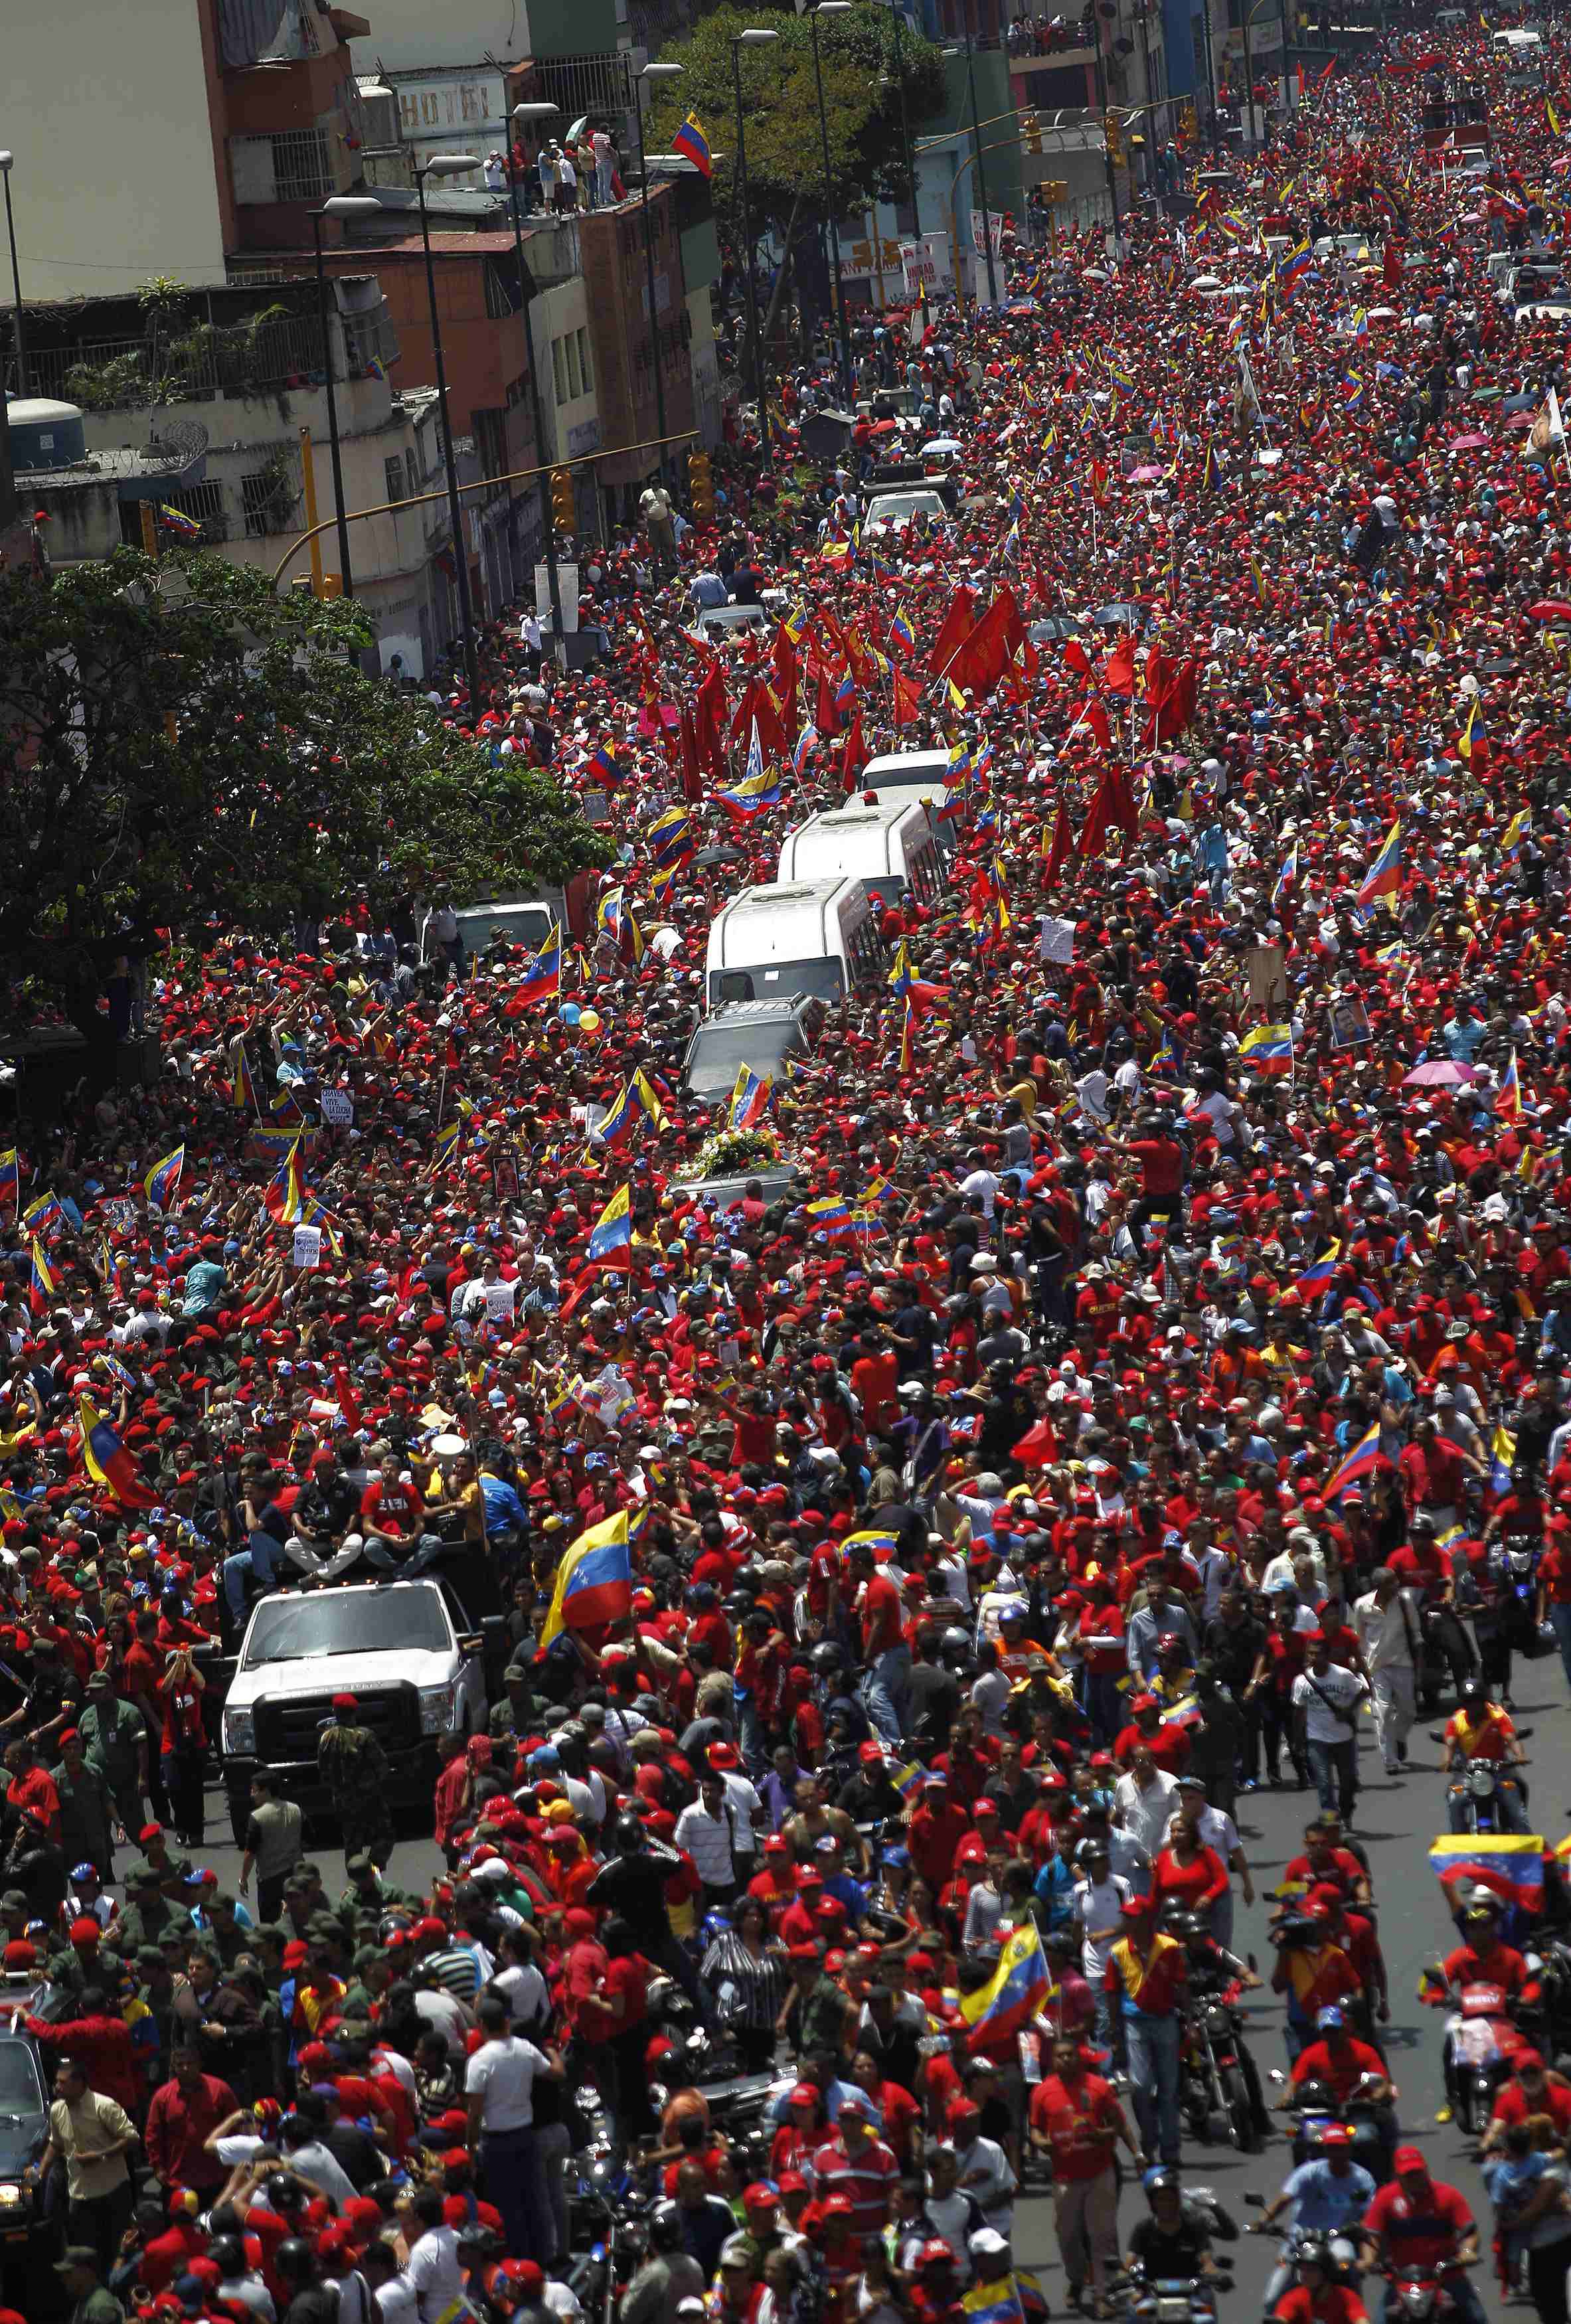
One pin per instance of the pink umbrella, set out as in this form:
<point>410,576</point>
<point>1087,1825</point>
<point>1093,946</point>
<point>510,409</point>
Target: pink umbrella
<point>1471,444</point>
<point>1520,422</point>
<point>1146,476</point>
<point>1439,1073</point>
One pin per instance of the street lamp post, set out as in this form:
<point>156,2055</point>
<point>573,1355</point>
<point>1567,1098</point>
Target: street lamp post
<point>754,37</point>
<point>652,72</point>
<point>522,114</point>
<point>831,8</point>
<point>337,205</point>
<point>898,12</point>
<point>449,165</point>
<point>981,172</point>
<point>7,161</point>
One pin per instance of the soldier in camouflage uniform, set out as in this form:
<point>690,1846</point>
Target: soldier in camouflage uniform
<point>353,1765</point>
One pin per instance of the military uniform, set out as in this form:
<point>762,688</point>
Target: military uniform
<point>85,1817</point>
<point>354,1766</point>
<point>113,1734</point>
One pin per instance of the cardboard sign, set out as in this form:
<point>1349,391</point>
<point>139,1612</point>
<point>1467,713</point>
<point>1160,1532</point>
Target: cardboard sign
<point>1268,981</point>
<point>1349,1022</point>
<point>1057,940</point>
<point>308,1247</point>
<point>337,1108</point>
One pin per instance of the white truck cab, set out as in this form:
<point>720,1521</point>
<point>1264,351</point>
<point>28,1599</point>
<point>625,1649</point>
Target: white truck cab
<point>406,1652</point>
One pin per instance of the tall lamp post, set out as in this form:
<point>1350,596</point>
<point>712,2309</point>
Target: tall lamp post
<point>831,8</point>
<point>977,157</point>
<point>754,37</point>
<point>654,74</point>
<point>337,205</point>
<point>449,165</point>
<point>522,116</point>
<point>897,11</point>
<point>7,162</point>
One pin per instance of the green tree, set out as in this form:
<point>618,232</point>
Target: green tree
<point>184,751</point>
<point>785,163</point>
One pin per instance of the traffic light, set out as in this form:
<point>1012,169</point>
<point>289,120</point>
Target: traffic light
<point>1187,121</point>
<point>700,487</point>
<point>564,503</point>
<point>1113,129</point>
<point>1031,129</point>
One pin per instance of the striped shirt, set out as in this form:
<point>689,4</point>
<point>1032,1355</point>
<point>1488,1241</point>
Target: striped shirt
<point>869,2180</point>
<point>757,1980</point>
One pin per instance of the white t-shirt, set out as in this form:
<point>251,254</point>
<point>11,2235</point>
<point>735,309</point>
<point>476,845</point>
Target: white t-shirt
<point>505,2073</point>
<point>1337,1686</point>
<point>322,2167</point>
<point>434,2274</point>
<point>396,2300</point>
<point>1096,1905</point>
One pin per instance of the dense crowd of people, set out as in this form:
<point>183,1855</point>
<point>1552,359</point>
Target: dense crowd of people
<point>1140,1357</point>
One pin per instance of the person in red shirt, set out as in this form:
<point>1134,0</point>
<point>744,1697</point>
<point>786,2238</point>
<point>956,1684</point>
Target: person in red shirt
<point>1482,1960</point>
<point>1316,2298</point>
<point>31,1788</point>
<point>1168,1744</point>
<point>391,1511</point>
<point>885,1656</point>
<point>1076,2121</point>
<point>1420,2224</point>
<point>1188,1874</point>
<point>934,1833</point>
<point>1339,2060</point>
<point>1531,2091</point>
<point>854,2162</point>
<point>184,2114</point>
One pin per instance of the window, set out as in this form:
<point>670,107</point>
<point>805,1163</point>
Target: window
<point>585,372</point>
<point>560,368</point>
<point>575,376</point>
<point>412,474</point>
<point>393,472</point>
<point>300,168</point>
<point>267,496</point>
<point>500,298</point>
<point>204,502</point>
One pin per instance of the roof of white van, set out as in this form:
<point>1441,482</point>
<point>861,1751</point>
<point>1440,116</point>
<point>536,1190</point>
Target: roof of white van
<point>857,815</point>
<point>918,763</point>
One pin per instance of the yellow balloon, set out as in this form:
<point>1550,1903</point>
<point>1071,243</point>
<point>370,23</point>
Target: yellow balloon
<point>588,1020</point>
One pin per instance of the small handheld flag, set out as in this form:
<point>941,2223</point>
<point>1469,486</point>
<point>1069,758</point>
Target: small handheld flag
<point>694,147</point>
<point>749,1098</point>
<point>165,1177</point>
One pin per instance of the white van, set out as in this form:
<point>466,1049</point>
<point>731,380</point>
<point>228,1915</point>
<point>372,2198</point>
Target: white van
<point>805,935</point>
<point>889,847</point>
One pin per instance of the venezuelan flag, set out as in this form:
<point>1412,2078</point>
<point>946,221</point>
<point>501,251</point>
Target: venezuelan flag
<point>10,1178</point>
<point>285,1198</point>
<point>611,1241</point>
<point>993,2303</point>
<point>243,1089</point>
<point>40,1213</point>
<point>1509,1103</point>
<point>1286,876</point>
<point>828,1217</point>
<point>1516,831</point>
<point>594,1581</point>
<point>1384,875</point>
<point>1316,1276</point>
<point>1510,1864</point>
<point>751,796</point>
<point>1016,1990</point>
<point>1268,1045</point>
<point>1502,1451</point>
<point>542,972</point>
<point>446,1144</point>
<point>670,836</point>
<point>107,1461</point>
<point>41,1285</point>
<point>1359,1463</point>
<point>749,1098</point>
<point>693,145</point>
<point>165,1177</point>
<point>176,521</point>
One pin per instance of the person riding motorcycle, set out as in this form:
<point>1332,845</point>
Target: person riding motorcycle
<point>1316,2297</point>
<point>1350,2070</point>
<point>1328,2196</point>
<point>1481,1959</point>
<point>1212,1970</point>
<point>1480,1729</point>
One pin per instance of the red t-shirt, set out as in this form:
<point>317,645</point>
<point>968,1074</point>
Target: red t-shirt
<point>1196,1886</point>
<point>880,1614</point>
<point>1510,2103</point>
<point>1069,2115</point>
<point>1169,1745</point>
<point>1319,2063</point>
<point>1333,2304</point>
<point>393,1510</point>
<point>1422,2231</point>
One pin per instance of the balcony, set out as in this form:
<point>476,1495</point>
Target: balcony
<point>274,350</point>
<point>1034,44</point>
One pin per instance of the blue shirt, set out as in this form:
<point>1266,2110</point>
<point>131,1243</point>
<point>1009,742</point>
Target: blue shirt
<point>1323,2200</point>
<point>503,1506</point>
<point>203,1289</point>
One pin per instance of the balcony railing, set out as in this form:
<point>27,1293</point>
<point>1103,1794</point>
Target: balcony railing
<point>193,365</point>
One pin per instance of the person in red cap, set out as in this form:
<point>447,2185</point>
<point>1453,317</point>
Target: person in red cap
<point>1076,2121</point>
<point>1145,1980</point>
<point>1532,2089</point>
<point>1420,2225</point>
<point>852,2161</point>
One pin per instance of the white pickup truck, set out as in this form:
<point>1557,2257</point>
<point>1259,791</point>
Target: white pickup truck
<point>406,1650</point>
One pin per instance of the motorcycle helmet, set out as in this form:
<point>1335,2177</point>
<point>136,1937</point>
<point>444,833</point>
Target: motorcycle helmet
<point>295,2257</point>
<point>1315,2251</point>
<point>955,1642</point>
<point>284,2194</point>
<point>1471,1692</point>
<point>1159,2180</point>
<point>629,1833</point>
<point>1185,1927</point>
<point>827,1660</point>
<point>716,1925</point>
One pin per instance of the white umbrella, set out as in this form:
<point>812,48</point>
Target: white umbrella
<point>1381,314</point>
<point>1097,274</point>
<point>1206,282</point>
<point>942,444</point>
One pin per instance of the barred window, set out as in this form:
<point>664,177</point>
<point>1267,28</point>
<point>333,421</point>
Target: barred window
<point>300,169</point>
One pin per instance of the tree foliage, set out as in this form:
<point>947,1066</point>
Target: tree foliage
<point>183,750</point>
<point>781,105</point>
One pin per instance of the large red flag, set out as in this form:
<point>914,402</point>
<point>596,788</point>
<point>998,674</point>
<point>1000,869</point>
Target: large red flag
<point>1118,675</point>
<point>1063,845</point>
<point>907,699</point>
<point>958,624</point>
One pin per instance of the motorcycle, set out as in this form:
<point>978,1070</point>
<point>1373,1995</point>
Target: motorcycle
<point>1483,2041</point>
<point>1170,2300</point>
<point>1296,2241</point>
<point>1475,1799</point>
<point>1434,1663</point>
<point>1315,2109</point>
<point>1214,2088</point>
<point>600,2276</point>
<point>1417,2299</point>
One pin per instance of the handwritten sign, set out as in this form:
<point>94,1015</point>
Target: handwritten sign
<point>1057,940</point>
<point>337,1108</point>
<point>308,1247</point>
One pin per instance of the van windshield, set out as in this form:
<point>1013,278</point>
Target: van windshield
<point>718,1050</point>
<point>528,924</point>
<point>777,980</point>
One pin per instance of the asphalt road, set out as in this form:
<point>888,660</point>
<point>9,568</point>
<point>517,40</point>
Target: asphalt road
<point>1396,1823</point>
